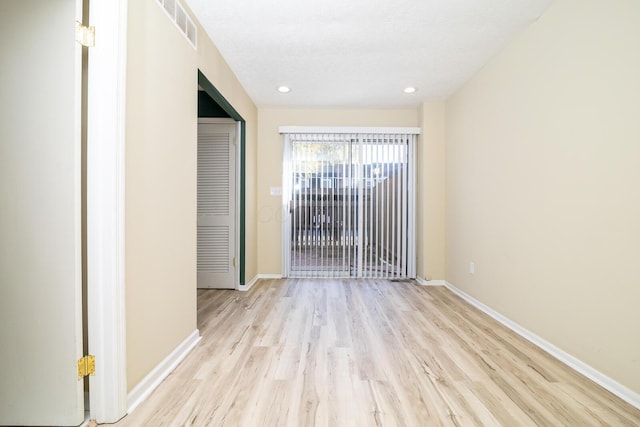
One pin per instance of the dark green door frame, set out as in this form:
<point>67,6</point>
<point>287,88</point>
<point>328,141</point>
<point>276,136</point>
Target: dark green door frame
<point>215,94</point>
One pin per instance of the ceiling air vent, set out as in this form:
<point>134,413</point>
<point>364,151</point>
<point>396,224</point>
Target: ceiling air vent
<point>179,16</point>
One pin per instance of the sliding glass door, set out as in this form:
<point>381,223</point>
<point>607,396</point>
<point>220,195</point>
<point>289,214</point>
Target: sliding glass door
<point>349,202</point>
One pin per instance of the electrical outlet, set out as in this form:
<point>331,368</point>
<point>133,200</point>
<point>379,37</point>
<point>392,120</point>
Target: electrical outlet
<point>472,267</point>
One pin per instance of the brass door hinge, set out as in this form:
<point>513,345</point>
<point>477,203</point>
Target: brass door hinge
<point>85,35</point>
<point>86,366</point>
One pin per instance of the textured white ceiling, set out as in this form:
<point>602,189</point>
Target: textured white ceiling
<point>360,53</point>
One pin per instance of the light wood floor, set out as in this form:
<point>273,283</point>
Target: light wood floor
<point>301,352</point>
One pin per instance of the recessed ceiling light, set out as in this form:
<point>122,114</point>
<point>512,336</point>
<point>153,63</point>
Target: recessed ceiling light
<point>410,89</point>
<point>284,89</point>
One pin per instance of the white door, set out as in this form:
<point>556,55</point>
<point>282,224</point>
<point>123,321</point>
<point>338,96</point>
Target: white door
<point>216,205</point>
<point>40,218</point>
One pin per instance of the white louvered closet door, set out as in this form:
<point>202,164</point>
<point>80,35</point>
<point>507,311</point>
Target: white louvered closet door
<point>216,207</point>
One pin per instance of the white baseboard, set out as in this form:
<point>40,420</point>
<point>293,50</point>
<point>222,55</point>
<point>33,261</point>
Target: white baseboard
<point>257,277</point>
<point>149,383</point>
<point>269,276</point>
<point>576,364</point>
<point>248,285</point>
<point>425,282</point>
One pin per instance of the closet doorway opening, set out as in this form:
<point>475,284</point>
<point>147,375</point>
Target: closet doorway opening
<point>349,202</point>
<point>221,191</point>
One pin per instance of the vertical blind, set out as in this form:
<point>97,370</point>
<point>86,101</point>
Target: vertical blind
<point>349,203</point>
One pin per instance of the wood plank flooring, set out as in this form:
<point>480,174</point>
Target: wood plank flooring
<point>310,352</point>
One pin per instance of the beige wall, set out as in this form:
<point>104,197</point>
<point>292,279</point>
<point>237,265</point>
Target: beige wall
<point>160,209</point>
<point>161,181</point>
<point>543,173</point>
<point>269,167</point>
<point>430,195</point>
